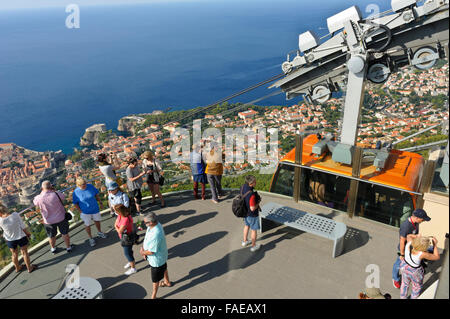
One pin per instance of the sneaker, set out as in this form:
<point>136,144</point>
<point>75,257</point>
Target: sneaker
<point>130,271</point>
<point>214,201</point>
<point>101,235</point>
<point>246,243</point>
<point>54,250</point>
<point>69,249</point>
<point>128,265</point>
<point>396,284</point>
<point>92,242</point>
<point>255,248</point>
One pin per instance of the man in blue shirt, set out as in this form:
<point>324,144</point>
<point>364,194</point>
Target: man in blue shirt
<point>155,251</point>
<point>86,199</point>
<point>116,197</point>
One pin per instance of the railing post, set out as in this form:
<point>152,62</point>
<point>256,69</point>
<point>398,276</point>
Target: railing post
<point>297,170</point>
<point>426,181</point>
<point>354,184</point>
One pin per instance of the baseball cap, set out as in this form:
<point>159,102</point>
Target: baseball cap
<point>113,186</point>
<point>420,213</point>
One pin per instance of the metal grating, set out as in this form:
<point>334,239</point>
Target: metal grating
<point>302,219</point>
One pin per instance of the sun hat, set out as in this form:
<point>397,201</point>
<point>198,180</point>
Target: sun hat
<point>374,293</point>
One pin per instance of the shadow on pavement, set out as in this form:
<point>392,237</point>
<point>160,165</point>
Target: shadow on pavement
<point>126,290</point>
<point>238,259</point>
<point>193,246</point>
<point>188,222</point>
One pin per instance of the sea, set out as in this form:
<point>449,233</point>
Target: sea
<point>56,81</point>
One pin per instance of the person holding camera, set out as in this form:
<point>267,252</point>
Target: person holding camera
<point>252,201</point>
<point>134,182</point>
<point>409,226</point>
<point>107,169</point>
<point>416,251</point>
<point>124,224</point>
<point>50,204</point>
<point>16,234</point>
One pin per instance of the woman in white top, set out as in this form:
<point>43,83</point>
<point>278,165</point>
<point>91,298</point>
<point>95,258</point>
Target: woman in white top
<point>107,170</point>
<point>153,166</point>
<point>15,234</point>
<point>416,250</point>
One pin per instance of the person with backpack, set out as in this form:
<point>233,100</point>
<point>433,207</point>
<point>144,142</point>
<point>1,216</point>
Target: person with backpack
<point>252,200</point>
<point>124,224</point>
<point>116,197</point>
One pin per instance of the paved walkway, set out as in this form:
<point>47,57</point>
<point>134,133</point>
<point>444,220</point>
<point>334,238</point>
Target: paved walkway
<point>207,261</point>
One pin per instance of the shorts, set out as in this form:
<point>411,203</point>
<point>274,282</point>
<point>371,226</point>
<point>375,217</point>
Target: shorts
<point>87,218</point>
<point>20,242</point>
<point>63,227</point>
<point>137,195</point>
<point>158,273</point>
<point>200,178</point>
<point>252,222</point>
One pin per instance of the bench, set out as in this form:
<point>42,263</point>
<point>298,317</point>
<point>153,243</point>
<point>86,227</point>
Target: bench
<point>314,224</point>
<point>89,288</point>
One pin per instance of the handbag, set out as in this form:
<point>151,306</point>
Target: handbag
<point>160,177</point>
<point>129,239</point>
<point>67,216</point>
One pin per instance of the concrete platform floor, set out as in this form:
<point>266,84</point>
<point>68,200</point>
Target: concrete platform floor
<point>206,260</point>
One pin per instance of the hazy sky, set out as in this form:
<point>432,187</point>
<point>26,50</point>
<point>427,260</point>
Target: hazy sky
<point>19,4</point>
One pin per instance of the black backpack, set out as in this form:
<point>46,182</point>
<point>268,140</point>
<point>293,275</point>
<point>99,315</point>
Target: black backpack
<point>238,206</point>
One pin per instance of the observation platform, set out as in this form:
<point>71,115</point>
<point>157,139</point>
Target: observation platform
<point>206,260</point>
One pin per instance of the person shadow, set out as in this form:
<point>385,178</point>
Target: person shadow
<point>192,247</point>
<point>238,259</point>
<point>125,290</point>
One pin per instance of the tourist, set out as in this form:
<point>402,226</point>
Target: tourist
<point>107,170</point>
<point>252,200</point>
<point>411,266</point>
<point>409,226</point>
<point>214,171</point>
<point>198,170</point>
<point>124,223</point>
<point>116,197</point>
<point>154,173</point>
<point>16,234</point>
<point>86,199</point>
<point>134,182</point>
<point>373,293</point>
<point>155,251</point>
<point>50,203</point>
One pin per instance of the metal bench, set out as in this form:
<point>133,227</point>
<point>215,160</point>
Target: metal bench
<point>306,222</point>
<point>89,289</point>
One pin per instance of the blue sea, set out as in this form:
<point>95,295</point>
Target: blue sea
<point>55,82</point>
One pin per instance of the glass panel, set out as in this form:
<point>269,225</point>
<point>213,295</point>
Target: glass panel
<point>383,204</point>
<point>438,184</point>
<point>324,189</point>
<point>283,182</point>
